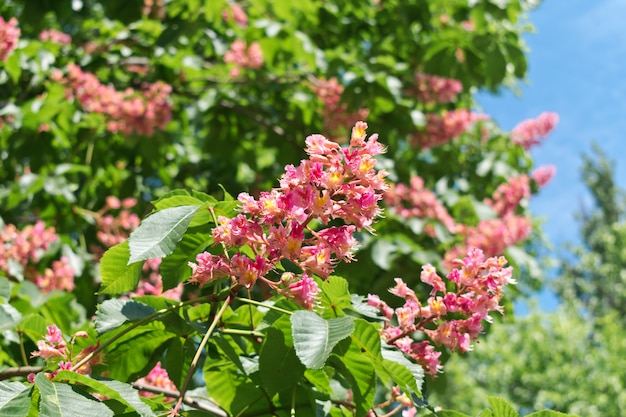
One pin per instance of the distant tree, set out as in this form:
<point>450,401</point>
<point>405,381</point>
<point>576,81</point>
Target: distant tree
<point>597,275</point>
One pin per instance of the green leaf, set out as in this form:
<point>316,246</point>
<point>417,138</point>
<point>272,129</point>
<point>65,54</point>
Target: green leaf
<point>115,390</point>
<point>501,408</point>
<point>113,313</point>
<point>118,276</point>
<point>14,399</point>
<point>5,287</point>
<point>9,317</point>
<point>396,364</point>
<point>158,234</point>
<point>136,352</point>
<point>314,338</point>
<point>174,267</point>
<point>392,365</point>
<point>549,413</point>
<point>448,413</point>
<point>349,361</point>
<point>335,296</point>
<point>279,366</point>
<point>63,400</point>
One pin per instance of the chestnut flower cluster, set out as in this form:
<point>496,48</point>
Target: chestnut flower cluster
<point>335,113</point>
<point>543,174</point>
<point>159,378</point>
<point>431,89</point>
<point>529,132</point>
<point>55,36</point>
<point>441,129</point>
<point>416,201</point>
<point>236,13</point>
<point>334,183</point>
<point>450,318</point>
<point>492,236</point>
<point>129,111</point>
<point>509,195</point>
<point>25,248</point>
<point>54,349</point>
<point>243,56</point>
<point>9,35</point>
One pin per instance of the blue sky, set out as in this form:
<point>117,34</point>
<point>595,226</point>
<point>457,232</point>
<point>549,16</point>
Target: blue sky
<point>577,68</point>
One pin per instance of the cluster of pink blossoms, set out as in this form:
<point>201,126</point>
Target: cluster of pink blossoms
<point>55,36</point>
<point>243,56</point>
<point>543,174</point>
<point>334,183</point>
<point>492,236</point>
<point>9,35</point>
<point>236,13</point>
<point>53,348</point>
<point>478,283</point>
<point>529,132</point>
<point>158,378</point>
<point>114,229</point>
<point>508,196</point>
<point>335,113</point>
<point>129,111</point>
<point>26,248</point>
<point>417,201</point>
<point>431,89</point>
<point>443,128</point>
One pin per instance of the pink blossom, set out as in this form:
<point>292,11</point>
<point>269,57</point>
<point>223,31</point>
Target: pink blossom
<point>417,201</point>
<point>59,277</point>
<point>305,292</point>
<point>336,114</point>
<point>243,56</point>
<point>334,183</point>
<point>130,111</point>
<point>235,12</point>
<point>440,129</point>
<point>432,89</point>
<point>454,312</point>
<point>55,36</point>
<point>208,268</point>
<point>529,132</point>
<point>508,196</point>
<point>158,378</point>
<point>9,35</point>
<point>543,174</point>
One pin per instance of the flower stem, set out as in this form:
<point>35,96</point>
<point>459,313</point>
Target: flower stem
<point>196,358</point>
<point>260,304</point>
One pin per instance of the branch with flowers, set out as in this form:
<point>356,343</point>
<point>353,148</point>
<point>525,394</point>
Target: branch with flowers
<point>271,329</point>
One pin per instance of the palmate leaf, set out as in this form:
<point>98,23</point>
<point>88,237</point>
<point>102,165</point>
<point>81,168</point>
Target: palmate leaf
<point>158,234</point>
<point>113,313</point>
<point>314,338</point>
<point>118,276</point>
<point>14,399</point>
<point>64,400</point>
